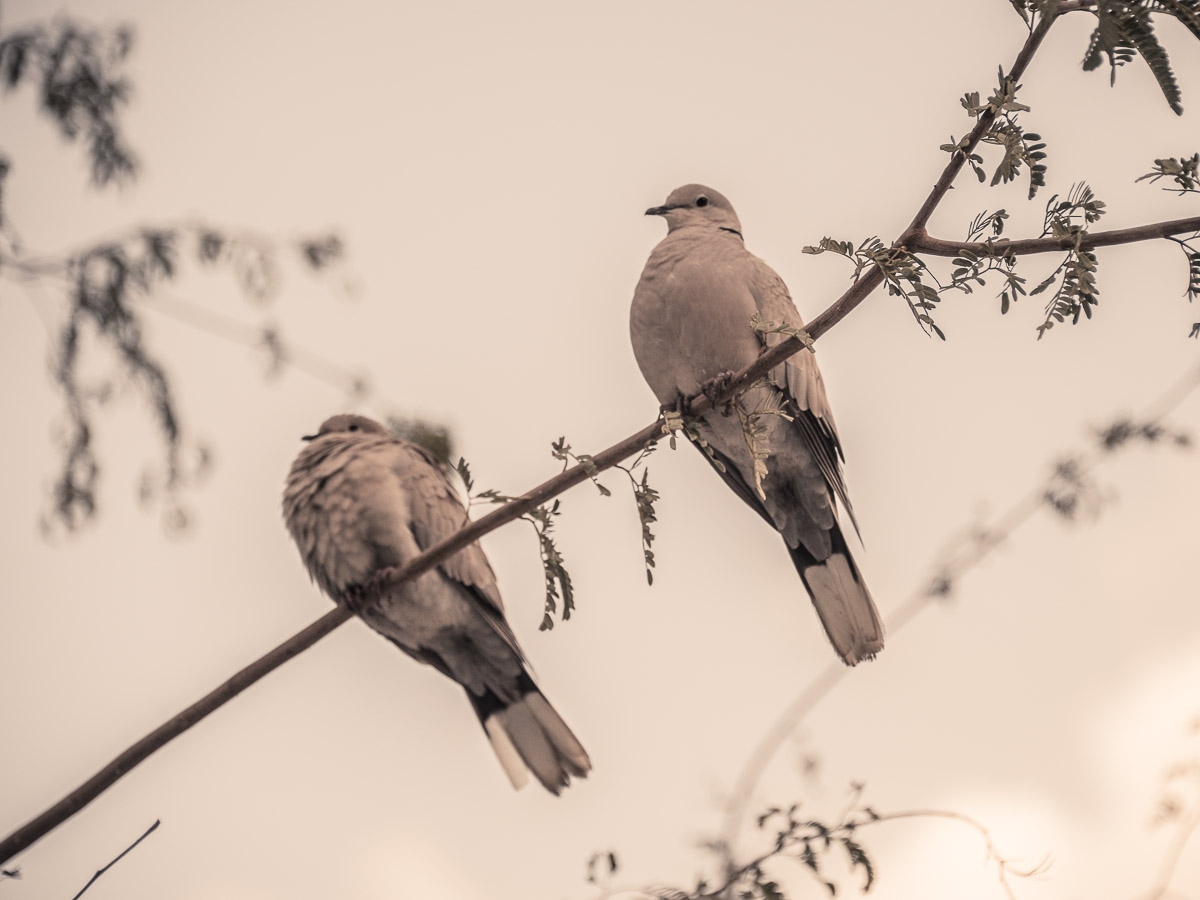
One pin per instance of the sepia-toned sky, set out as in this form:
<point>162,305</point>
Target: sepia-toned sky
<point>488,166</point>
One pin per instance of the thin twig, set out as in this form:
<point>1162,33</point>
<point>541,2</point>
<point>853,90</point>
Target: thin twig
<point>1004,866</point>
<point>92,880</point>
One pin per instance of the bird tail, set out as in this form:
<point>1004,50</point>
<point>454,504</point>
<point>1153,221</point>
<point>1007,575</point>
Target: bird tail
<point>527,733</point>
<point>842,600</point>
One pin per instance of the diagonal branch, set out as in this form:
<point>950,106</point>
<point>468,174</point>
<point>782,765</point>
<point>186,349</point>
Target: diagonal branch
<point>921,242</point>
<point>36,828</point>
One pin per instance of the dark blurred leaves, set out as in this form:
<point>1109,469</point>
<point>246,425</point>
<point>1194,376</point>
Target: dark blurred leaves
<point>76,70</point>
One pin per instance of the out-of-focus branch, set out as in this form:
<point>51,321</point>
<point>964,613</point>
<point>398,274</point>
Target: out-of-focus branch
<point>964,554</point>
<point>1180,810</point>
<point>808,843</point>
<point>921,242</point>
<point>101,286</point>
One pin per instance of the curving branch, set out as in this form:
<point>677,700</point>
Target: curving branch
<point>36,828</point>
<point>1060,491</point>
<point>919,241</point>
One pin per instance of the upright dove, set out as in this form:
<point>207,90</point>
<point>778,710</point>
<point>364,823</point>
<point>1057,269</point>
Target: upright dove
<point>358,501</point>
<point>690,324</point>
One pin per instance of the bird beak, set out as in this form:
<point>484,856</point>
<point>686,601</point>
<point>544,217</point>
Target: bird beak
<point>309,437</point>
<point>660,210</point>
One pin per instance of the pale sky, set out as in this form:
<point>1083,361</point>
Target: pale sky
<point>488,166</point>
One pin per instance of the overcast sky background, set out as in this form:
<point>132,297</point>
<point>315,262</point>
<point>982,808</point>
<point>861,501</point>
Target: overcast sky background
<point>488,165</point>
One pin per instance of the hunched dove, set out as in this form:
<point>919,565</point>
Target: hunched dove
<point>690,324</point>
<point>358,501</point>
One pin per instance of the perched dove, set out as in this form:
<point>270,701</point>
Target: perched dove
<point>691,329</point>
<point>358,501</point>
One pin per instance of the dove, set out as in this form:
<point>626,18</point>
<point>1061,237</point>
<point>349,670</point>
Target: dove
<point>691,328</point>
<point>358,501</point>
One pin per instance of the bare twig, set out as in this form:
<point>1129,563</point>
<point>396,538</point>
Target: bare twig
<point>1004,867</point>
<point>92,880</point>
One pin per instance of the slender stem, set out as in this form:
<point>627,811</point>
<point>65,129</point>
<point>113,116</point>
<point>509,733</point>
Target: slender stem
<point>924,243</point>
<point>119,857</point>
<point>959,158</point>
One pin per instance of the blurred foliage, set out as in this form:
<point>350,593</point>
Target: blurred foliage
<point>794,844</point>
<point>1126,29</point>
<point>76,71</point>
<point>434,437</point>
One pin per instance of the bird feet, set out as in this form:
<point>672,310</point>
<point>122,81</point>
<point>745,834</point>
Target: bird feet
<point>360,597</point>
<point>714,388</point>
<point>354,598</point>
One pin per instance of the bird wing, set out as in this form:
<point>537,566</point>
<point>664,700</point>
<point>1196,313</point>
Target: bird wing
<point>437,513</point>
<point>800,379</point>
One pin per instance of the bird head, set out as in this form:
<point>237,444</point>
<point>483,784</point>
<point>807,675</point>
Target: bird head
<point>697,205</point>
<point>347,424</point>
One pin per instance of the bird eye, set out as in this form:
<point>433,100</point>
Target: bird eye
<point>353,427</point>
<point>702,201</point>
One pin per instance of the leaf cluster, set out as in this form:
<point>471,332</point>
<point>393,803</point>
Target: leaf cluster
<point>754,427</point>
<point>644,496</point>
<point>1077,292</point>
<point>557,578</point>
<point>903,272</point>
<point>768,327</point>
<point>1021,148</point>
<point>1184,171</point>
<point>803,842</point>
<point>675,422</point>
<point>1125,29</point>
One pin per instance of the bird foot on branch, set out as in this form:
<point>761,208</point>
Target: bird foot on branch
<point>714,388</point>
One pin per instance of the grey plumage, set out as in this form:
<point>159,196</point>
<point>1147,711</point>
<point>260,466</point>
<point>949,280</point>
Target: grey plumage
<point>358,501</point>
<point>689,324</point>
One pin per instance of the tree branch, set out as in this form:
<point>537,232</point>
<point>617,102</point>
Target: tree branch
<point>921,242</point>
<point>27,834</point>
<point>959,158</point>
